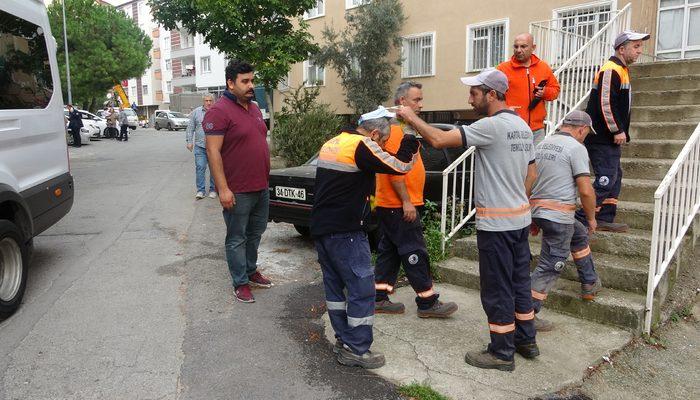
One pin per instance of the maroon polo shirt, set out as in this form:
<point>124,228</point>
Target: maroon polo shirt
<point>245,153</point>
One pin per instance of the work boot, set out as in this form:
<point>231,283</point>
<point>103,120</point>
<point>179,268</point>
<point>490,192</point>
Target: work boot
<point>617,227</point>
<point>542,325</point>
<point>337,346</point>
<point>438,310</point>
<point>528,351</point>
<point>388,307</point>
<point>589,290</point>
<point>369,360</point>
<point>484,359</point>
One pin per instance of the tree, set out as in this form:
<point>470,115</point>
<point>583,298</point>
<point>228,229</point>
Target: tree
<point>261,32</point>
<point>361,53</point>
<point>104,46</point>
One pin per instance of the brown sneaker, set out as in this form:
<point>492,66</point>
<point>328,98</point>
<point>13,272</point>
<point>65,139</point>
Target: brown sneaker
<point>590,290</point>
<point>244,295</point>
<point>259,280</point>
<point>484,359</point>
<point>542,325</point>
<point>369,360</point>
<point>438,310</point>
<point>388,307</point>
<point>616,227</point>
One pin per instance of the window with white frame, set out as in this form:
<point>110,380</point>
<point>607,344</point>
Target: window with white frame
<point>166,43</point>
<point>168,86</point>
<point>144,90</point>
<point>205,64</point>
<point>581,22</point>
<point>313,74</point>
<point>486,45</point>
<point>168,64</point>
<point>318,11</point>
<point>283,85</point>
<point>418,55</point>
<point>679,29</point>
<point>354,3</point>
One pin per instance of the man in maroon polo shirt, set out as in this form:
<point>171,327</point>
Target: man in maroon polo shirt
<point>239,160</point>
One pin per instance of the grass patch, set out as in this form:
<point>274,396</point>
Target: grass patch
<point>418,391</point>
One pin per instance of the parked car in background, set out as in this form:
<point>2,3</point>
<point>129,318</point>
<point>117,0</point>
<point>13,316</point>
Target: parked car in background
<point>172,120</point>
<point>292,189</point>
<point>89,131</point>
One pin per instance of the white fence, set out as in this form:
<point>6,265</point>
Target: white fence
<point>454,187</point>
<point>676,202</point>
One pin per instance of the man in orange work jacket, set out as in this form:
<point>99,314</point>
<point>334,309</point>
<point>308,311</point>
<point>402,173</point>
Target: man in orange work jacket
<point>529,79</point>
<point>399,199</point>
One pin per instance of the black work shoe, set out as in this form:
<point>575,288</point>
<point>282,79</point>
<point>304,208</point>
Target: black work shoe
<point>529,351</point>
<point>369,360</point>
<point>388,307</point>
<point>617,227</point>
<point>484,359</point>
<point>438,310</point>
<point>542,325</point>
<point>337,346</point>
<point>590,290</point>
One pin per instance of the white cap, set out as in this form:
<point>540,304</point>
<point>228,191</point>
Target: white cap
<point>380,112</point>
<point>491,77</point>
<point>626,36</point>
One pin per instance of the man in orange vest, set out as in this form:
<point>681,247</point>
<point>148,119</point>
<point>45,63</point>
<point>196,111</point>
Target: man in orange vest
<point>531,83</point>
<point>398,198</point>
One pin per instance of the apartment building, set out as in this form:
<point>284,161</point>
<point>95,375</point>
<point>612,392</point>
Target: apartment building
<point>453,38</point>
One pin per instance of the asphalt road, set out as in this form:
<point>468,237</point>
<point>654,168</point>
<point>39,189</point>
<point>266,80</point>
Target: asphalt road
<point>129,296</point>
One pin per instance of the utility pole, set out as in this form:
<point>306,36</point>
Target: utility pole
<point>65,47</point>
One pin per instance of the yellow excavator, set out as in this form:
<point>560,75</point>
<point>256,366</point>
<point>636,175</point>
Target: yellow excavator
<point>122,95</point>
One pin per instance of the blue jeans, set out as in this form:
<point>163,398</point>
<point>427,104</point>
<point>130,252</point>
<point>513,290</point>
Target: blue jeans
<point>245,223</point>
<point>201,163</point>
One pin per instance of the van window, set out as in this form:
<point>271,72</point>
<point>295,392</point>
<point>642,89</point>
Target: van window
<point>25,70</point>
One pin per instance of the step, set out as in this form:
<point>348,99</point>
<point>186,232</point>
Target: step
<point>645,168</point>
<point>635,243</point>
<point>666,113</point>
<point>636,215</point>
<point>611,306</point>
<point>662,130</point>
<point>666,97</point>
<point>665,82</point>
<point>661,68</point>
<point>653,148</point>
<point>639,190</point>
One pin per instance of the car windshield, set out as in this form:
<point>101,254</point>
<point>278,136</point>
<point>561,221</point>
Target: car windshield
<point>128,111</point>
<point>177,115</point>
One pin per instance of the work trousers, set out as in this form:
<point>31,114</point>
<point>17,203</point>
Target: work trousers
<point>605,159</point>
<point>558,241</point>
<point>347,266</point>
<point>504,269</point>
<point>402,243</point>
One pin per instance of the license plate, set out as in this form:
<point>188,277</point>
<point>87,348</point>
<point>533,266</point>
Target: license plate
<point>290,193</point>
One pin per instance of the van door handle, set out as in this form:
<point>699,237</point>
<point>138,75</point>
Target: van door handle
<point>9,124</point>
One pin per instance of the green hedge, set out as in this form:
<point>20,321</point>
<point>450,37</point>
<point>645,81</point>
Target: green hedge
<point>299,136</point>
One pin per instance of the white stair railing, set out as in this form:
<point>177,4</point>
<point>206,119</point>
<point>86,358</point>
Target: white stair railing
<point>676,203</point>
<point>454,185</point>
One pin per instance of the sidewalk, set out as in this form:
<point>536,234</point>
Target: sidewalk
<point>432,351</point>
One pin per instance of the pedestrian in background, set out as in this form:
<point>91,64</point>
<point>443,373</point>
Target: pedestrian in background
<point>504,172</point>
<point>344,182</point>
<point>194,137</point>
<point>530,83</point>
<point>124,125</point>
<point>239,160</point>
<point>111,118</point>
<point>399,201</point>
<point>75,122</point>
<point>609,106</point>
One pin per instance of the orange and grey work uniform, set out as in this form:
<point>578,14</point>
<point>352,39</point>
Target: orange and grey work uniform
<point>609,106</point>
<point>561,160</point>
<point>347,164</point>
<point>504,151</point>
<point>402,242</point>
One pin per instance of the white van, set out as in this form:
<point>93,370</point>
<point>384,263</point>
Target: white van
<point>36,187</point>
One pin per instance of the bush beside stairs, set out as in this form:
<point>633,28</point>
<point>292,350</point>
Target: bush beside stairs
<point>665,112</point>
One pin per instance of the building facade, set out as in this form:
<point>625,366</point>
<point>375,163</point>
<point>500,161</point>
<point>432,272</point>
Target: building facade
<point>454,38</point>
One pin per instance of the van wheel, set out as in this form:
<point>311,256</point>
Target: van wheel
<point>13,267</point>
<point>170,127</point>
<point>156,126</point>
<point>304,231</point>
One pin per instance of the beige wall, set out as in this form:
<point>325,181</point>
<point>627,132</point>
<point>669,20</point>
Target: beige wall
<point>449,20</point>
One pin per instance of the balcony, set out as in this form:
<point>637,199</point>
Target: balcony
<point>181,52</point>
<point>187,78</point>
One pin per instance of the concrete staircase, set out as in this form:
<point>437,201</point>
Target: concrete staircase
<point>666,110</point>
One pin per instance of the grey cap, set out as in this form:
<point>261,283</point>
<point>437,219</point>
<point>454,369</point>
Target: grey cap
<point>578,118</point>
<point>491,77</point>
<point>626,36</point>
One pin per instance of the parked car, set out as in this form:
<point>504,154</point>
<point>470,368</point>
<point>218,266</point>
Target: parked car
<point>292,189</point>
<point>88,132</point>
<point>95,124</point>
<point>172,120</point>
<point>36,185</point>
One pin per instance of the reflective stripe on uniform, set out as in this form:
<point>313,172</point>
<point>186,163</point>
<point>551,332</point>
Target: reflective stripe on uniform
<point>579,254</point>
<point>605,105</point>
<point>553,205</point>
<point>501,328</point>
<point>386,158</point>
<point>338,153</point>
<point>337,166</point>
<point>426,294</point>
<point>486,212</point>
<point>384,286</point>
<point>355,322</point>
<point>336,305</point>
<point>525,317</point>
<point>610,201</point>
<point>538,295</point>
